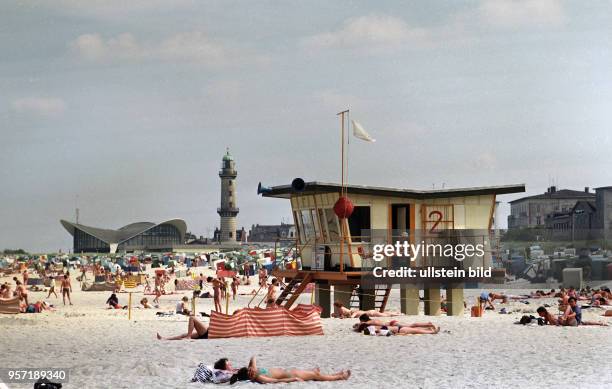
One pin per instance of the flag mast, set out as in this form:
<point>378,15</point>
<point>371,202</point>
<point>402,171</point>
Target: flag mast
<point>343,186</point>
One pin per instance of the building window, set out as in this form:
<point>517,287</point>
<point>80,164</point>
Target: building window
<point>229,193</point>
<point>231,235</point>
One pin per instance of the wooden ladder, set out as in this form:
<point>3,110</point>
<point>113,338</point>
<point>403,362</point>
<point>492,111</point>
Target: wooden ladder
<point>293,290</point>
<point>382,293</point>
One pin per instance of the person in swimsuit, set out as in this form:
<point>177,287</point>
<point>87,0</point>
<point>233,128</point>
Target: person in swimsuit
<point>216,285</point>
<point>375,322</point>
<point>21,292</point>
<point>276,375</point>
<point>52,287</point>
<point>549,318</point>
<point>573,315</point>
<point>398,329</point>
<point>272,294</point>
<point>25,277</point>
<point>66,289</point>
<point>195,330</point>
<point>235,283</point>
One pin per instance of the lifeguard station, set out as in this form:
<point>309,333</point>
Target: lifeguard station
<point>335,247</point>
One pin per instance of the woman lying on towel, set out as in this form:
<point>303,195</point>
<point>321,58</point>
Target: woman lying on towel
<point>195,330</point>
<point>398,329</point>
<point>276,375</point>
<point>375,322</point>
<point>341,312</point>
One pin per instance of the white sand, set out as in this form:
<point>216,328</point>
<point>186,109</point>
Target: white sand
<point>105,350</point>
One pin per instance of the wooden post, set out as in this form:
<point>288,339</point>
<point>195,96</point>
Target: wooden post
<point>130,306</point>
<point>226,299</point>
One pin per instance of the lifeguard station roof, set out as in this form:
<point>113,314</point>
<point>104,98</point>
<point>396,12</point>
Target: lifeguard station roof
<point>285,191</point>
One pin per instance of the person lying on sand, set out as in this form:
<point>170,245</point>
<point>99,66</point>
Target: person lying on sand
<point>276,375</point>
<point>365,318</point>
<point>195,330</point>
<point>497,296</point>
<point>341,312</point>
<point>145,303</point>
<point>549,318</point>
<point>398,329</point>
<point>37,307</point>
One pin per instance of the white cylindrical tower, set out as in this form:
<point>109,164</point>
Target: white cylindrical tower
<point>228,210</point>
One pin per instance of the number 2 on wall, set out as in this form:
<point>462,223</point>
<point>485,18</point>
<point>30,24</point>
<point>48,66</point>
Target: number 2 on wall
<point>436,221</point>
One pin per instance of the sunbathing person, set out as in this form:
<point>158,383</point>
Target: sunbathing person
<point>425,329</point>
<point>5,291</point>
<point>502,297</point>
<point>195,330</point>
<point>341,312</point>
<point>113,302</point>
<point>375,322</point>
<point>145,303</point>
<point>573,316</point>
<point>276,375</point>
<point>37,307</point>
<point>549,318</point>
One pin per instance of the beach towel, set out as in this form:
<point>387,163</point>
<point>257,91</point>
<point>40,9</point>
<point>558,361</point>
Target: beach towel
<point>9,306</point>
<point>257,322</point>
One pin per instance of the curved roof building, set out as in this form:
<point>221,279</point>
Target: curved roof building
<point>135,236</point>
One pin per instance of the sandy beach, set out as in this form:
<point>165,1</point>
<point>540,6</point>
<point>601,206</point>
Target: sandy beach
<point>103,349</point>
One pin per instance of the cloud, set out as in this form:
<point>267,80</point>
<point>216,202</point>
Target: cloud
<point>40,106</point>
<point>117,9</point>
<point>193,46</point>
<point>518,13</point>
<point>367,32</point>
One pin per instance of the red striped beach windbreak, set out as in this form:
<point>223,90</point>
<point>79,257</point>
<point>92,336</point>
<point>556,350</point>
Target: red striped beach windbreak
<point>257,322</point>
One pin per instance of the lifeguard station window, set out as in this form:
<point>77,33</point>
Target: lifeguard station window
<point>358,221</point>
<point>308,226</point>
<point>332,224</point>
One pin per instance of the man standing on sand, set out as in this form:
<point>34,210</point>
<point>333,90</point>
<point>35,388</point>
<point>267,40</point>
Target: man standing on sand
<point>66,289</point>
<point>25,277</point>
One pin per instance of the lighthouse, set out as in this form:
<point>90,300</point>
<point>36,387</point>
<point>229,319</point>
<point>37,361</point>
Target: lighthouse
<point>228,209</point>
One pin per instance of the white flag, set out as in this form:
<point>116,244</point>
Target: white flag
<point>360,133</point>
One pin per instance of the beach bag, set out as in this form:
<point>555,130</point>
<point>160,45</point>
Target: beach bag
<point>206,374</point>
<point>203,374</point>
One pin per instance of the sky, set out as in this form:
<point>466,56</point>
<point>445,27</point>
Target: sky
<point>125,109</point>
